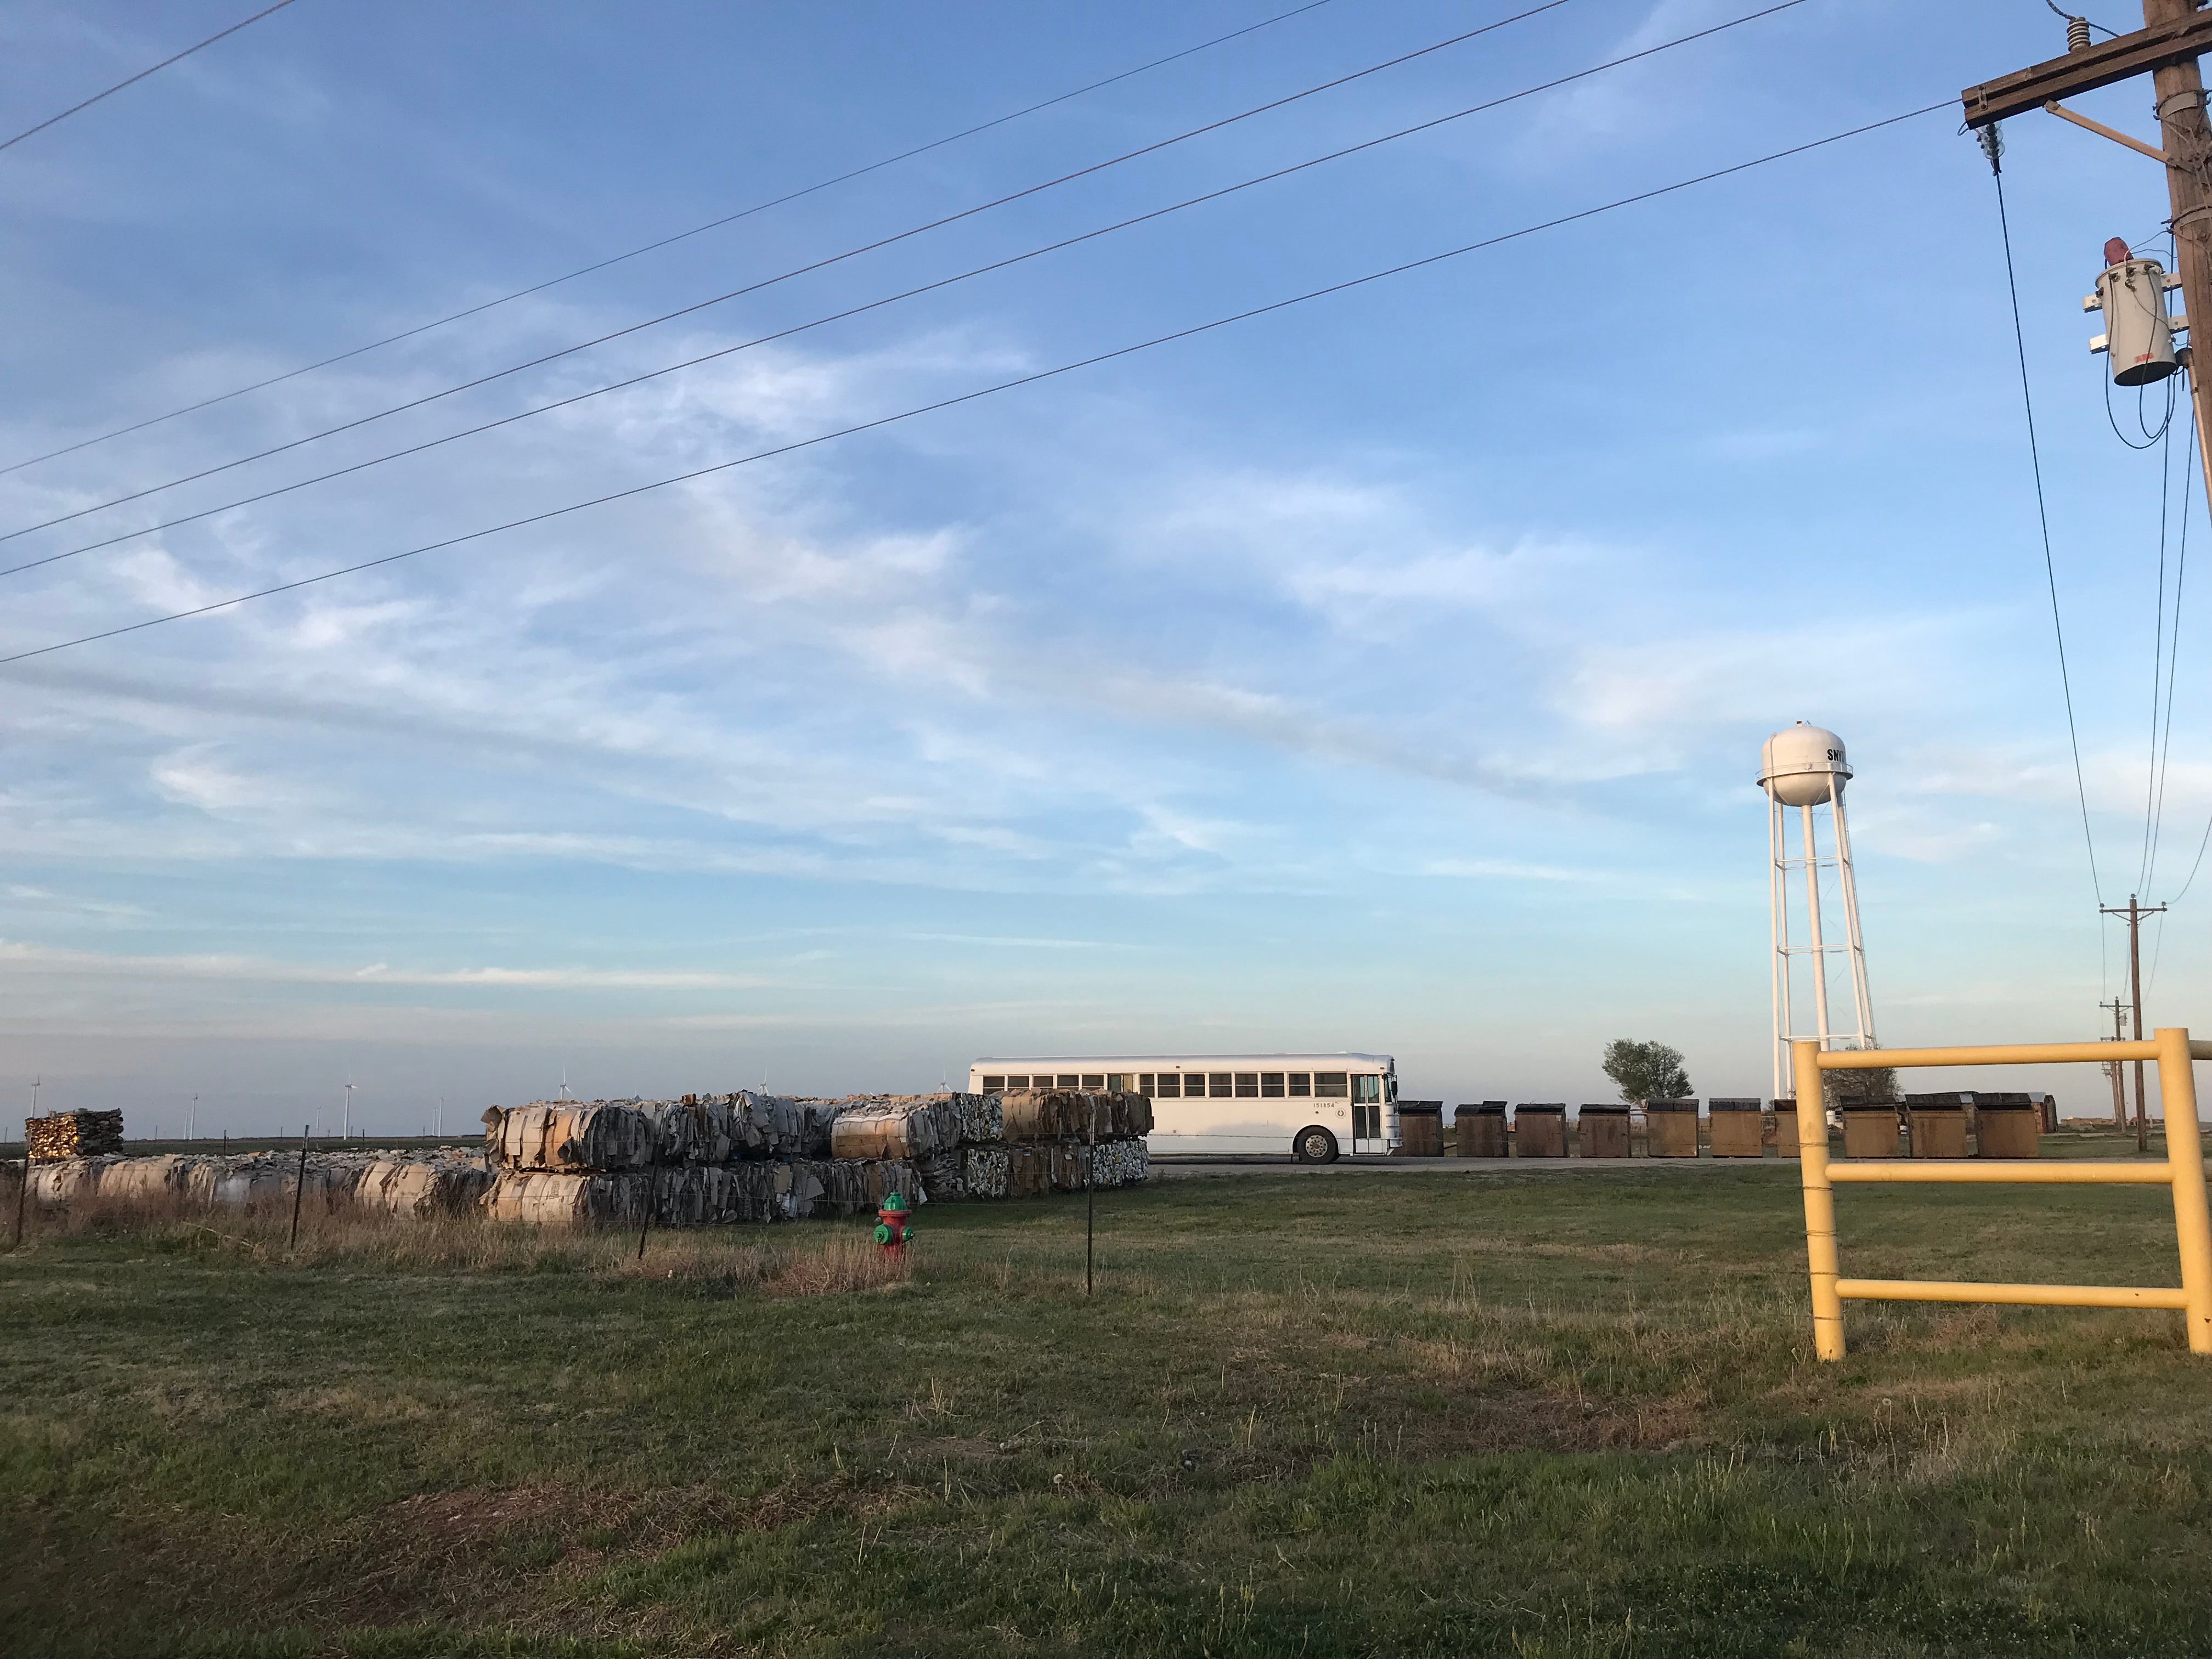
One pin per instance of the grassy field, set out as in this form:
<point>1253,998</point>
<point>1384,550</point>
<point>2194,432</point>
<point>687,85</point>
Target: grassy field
<point>1398,1414</point>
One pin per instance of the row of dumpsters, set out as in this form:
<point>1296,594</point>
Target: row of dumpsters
<point>1965,1125</point>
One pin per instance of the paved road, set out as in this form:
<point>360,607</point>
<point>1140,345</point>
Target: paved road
<point>1187,1166</point>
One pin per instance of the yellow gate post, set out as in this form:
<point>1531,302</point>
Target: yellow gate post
<point>1819,1201</point>
<point>2185,1158</point>
<point>2183,1172</point>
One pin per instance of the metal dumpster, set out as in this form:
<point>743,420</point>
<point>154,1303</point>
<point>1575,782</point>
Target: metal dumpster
<point>1738,1127</point>
<point>1870,1128</point>
<point>1602,1130</point>
<point>1541,1130</point>
<point>1420,1128</point>
<point>1785,1128</point>
<point>2007,1126</point>
<point>1936,1124</point>
<point>1479,1131</point>
<point>1671,1127</point>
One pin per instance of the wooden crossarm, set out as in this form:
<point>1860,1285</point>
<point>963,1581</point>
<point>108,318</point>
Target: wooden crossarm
<point>2117,59</point>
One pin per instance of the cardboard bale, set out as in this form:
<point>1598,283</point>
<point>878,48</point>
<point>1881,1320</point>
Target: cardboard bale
<point>422,1188</point>
<point>1479,1131</point>
<point>1032,1115</point>
<point>982,1120</point>
<point>943,1175</point>
<point>983,1171</point>
<point>1870,1128</point>
<point>1670,1128</point>
<point>1602,1130</point>
<point>1420,1128</point>
<point>1738,1127</point>
<point>560,1200</point>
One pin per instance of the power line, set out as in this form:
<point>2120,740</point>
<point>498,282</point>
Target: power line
<point>665,241</point>
<point>2173,651</point>
<point>839,316</point>
<point>820,264</point>
<point>2157,634</point>
<point>1003,385</point>
<point>142,75</point>
<point>2043,518</point>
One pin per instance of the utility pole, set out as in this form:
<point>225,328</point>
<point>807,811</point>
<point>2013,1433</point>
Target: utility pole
<point>2135,913</point>
<point>2114,1070</point>
<point>2174,34</point>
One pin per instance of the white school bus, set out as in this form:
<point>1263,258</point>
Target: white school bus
<point>1311,1106</point>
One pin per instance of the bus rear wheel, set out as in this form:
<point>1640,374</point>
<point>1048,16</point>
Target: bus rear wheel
<point>1314,1145</point>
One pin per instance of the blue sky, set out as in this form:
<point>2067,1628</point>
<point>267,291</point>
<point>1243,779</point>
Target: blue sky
<point>1385,673</point>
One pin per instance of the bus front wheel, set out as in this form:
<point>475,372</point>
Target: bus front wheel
<point>1315,1145</point>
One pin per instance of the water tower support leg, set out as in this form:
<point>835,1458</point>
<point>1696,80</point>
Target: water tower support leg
<point>1820,1201</point>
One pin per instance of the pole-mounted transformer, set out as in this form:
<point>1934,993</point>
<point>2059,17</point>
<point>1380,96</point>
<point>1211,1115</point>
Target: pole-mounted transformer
<point>2138,333</point>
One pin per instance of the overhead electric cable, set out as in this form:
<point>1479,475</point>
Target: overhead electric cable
<point>2173,649</point>
<point>2043,518</point>
<point>1003,386</point>
<point>142,75</point>
<point>664,241</point>
<point>836,259</point>
<point>839,316</point>
<point>2157,638</point>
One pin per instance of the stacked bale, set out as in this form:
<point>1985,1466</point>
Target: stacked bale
<point>404,1182</point>
<point>1067,1139</point>
<point>712,1158</point>
<point>72,1134</point>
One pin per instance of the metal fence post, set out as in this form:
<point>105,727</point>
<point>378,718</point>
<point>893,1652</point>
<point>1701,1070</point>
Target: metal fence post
<point>2185,1159</point>
<point>1820,1201</point>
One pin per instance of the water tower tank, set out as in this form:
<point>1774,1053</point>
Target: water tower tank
<point>1803,765</point>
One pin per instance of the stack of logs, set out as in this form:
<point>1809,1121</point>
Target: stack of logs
<point>73,1134</point>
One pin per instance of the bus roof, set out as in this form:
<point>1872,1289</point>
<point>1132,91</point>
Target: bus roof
<point>1127,1062</point>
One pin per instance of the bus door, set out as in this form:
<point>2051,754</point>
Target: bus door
<point>1367,1126</point>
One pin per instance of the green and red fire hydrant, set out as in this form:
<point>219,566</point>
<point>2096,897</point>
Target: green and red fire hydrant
<point>893,1227</point>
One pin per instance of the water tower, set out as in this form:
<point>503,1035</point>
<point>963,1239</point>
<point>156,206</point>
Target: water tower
<point>1804,767</point>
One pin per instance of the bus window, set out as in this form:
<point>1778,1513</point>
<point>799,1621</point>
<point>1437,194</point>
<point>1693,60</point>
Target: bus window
<point>1169,1085</point>
<point>1126,1082</point>
<point>994,1086</point>
<point>1218,1085</point>
<point>1392,1082</point>
<point>1301,1083</point>
<point>1066,1081</point>
<point>1331,1084</point>
<point>1271,1085</point>
<point>1248,1086</point>
<point>1093,1081</point>
<point>1366,1086</point>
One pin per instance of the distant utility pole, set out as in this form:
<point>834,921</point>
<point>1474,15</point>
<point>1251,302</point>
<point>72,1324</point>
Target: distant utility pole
<point>2135,913</point>
<point>2174,34</point>
<point>2114,1070</point>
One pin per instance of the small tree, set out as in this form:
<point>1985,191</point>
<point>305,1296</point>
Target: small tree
<point>1875,1083</point>
<point>1646,1070</point>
